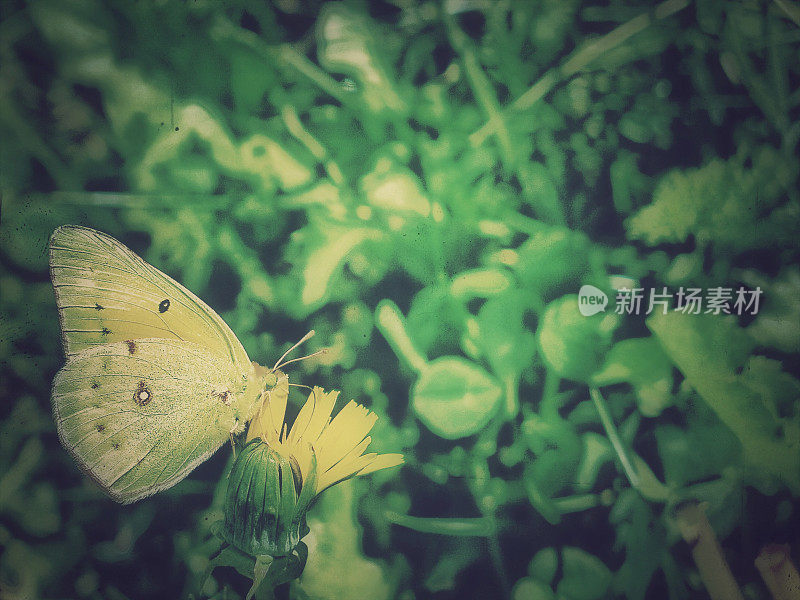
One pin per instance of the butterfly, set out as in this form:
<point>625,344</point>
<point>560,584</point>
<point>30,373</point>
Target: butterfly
<point>154,381</point>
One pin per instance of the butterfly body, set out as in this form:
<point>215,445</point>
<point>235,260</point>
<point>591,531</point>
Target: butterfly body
<point>154,381</point>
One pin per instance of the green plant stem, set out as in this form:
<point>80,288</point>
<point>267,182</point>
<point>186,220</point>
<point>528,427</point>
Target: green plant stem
<point>578,60</point>
<point>129,200</point>
<point>576,503</point>
<point>791,11</point>
<point>549,405</point>
<point>295,126</point>
<point>468,527</point>
<point>28,138</point>
<point>613,436</point>
<point>524,224</point>
<point>511,397</point>
<point>290,56</point>
<point>480,84</point>
<point>390,322</point>
<point>497,560</point>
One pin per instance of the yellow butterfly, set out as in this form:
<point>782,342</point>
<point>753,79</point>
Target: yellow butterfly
<point>155,381</point>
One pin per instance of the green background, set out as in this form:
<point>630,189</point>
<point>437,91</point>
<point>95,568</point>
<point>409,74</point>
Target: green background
<point>427,185</point>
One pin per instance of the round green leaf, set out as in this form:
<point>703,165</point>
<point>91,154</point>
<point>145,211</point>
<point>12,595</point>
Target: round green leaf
<point>530,589</point>
<point>543,565</point>
<point>455,398</point>
<point>504,341</point>
<point>642,363</point>
<point>571,344</point>
<point>586,577</point>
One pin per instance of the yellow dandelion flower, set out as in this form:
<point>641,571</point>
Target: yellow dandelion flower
<point>281,470</point>
<point>338,443</point>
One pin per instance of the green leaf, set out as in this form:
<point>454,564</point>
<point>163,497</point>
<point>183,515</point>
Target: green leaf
<point>708,349</point>
<point>336,566</point>
<point>435,318</point>
<point>553,259</point>
<point>232,557</point>
<point>457,557</point>
<point>480,283</point>
<point>323,249</point>
<point>722,202</point>
<point>571,344</point>
<point>585,577</point>
<point>558,450</point>
<point>505,342</point>
<point>642,363</point>
<point>540,192</point>
<point>643,539</point>
<point>778,323</point>
<point>348,41</point>
<point>251,77</point>
<point>627,181</point>
<point>530,589</point>
<point>389,321</point>
<point>260,571</point>
<point>695,453</point>
<point>543,565</point>
<point>597,451</point>
<point>395,190</point>
<point>454,397</point>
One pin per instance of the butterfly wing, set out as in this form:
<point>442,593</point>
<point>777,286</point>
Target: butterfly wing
<point>139,416</point>
<point>106,293</point>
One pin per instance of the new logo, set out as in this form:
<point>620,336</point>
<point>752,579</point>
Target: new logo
<point>591,300</point>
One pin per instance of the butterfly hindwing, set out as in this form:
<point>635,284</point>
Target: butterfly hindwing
<point>139,415</point>
<point>106,293</point>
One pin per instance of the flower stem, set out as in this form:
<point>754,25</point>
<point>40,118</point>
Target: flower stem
<point>613,436</point>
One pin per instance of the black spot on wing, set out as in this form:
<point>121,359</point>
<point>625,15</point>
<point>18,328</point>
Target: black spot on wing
<point>95,385</point>
<point>105,331</point>
<point>98,306</point>
<point>224,397</point>
<point>142,395</point>
<point>100,428</point>
<point>131,346</point>
<point>163,305</point>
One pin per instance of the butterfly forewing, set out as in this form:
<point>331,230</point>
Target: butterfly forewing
<point>139,418</point>
<point>106,293</point>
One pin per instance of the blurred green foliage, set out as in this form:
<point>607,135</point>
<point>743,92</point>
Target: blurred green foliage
<point>427,185</point>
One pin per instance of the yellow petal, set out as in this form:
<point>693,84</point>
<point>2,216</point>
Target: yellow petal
<point>312,417</point>
<point>382,461</point>
<point>346,431</point>
<point>302,453</point>
<point>346,467</point>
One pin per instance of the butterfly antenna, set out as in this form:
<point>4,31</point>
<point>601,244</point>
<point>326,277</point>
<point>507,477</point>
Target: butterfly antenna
<point>308,387</point>
<point>317,353</point>
<point>305,338</point>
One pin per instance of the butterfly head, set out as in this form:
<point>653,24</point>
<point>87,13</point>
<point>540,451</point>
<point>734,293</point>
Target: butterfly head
<point>272,378</point>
